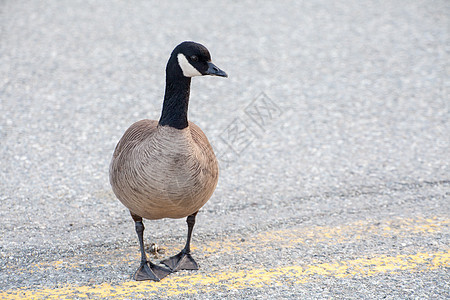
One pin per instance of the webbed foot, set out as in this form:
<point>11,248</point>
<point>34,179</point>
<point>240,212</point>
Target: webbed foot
<point>181,261</point>
<point>150,271</point>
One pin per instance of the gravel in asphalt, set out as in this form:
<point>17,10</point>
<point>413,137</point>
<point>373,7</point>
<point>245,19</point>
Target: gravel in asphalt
<point>342,117</point>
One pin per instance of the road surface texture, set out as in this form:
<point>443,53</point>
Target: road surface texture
<point>332,132</point>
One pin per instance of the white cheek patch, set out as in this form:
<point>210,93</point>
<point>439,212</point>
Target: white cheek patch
<point>186,67</point>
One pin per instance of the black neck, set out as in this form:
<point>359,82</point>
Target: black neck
<point>176,101</point>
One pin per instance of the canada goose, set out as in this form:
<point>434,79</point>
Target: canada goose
<point>167,168</point>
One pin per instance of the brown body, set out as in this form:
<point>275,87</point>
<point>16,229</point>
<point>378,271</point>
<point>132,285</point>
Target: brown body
<point>167,168</point>
<point>163,172</point>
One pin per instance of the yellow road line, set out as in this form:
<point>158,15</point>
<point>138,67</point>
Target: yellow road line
<point>285,238</point>
<point>194,283</point>
<point>361,230</point>
<point>272,239</point>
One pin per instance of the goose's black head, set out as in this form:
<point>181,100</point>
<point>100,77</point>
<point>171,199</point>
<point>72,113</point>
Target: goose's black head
<point>190,59</point>
<point>187,60</point>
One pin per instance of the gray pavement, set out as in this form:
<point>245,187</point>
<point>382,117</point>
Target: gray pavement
<point>334,114</point>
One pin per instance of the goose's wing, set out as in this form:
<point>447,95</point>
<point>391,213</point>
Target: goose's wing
<point>206,153</point>
<point>200,139</point>
<point>134,135</point>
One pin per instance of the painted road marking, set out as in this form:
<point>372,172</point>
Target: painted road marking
<point>361,230</point>
<point>250,277</point>
<point>253,278</point>
<point>285,238</point>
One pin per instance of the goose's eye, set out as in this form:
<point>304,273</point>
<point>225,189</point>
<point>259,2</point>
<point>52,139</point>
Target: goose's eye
<point>194,58</point>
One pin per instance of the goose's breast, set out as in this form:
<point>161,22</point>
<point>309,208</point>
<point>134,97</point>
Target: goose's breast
<point>167,177</point>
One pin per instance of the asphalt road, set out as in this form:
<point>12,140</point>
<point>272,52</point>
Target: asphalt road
<point>332,132</point>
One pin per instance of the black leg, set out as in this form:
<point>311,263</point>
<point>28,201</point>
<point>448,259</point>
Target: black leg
<point>184,260</point>
<point>190,220</point>
<point>147,270</point>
